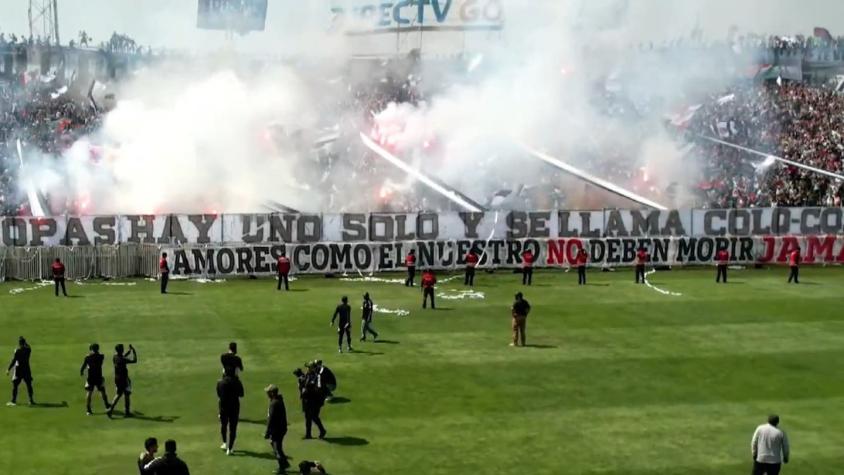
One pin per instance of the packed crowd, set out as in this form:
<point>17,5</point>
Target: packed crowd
<point>789,120</point>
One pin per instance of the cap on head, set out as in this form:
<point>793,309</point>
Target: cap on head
<point>164,254</point>
<point>150,443</point>
<point>774,420</point>
<point>233,347</point>
<point>271,389</point>
<point>170,446</point>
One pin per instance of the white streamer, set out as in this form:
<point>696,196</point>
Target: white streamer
<point>39,285</point>
<point>463,295</point>
<point>662,291</point>
<point>397,312</point>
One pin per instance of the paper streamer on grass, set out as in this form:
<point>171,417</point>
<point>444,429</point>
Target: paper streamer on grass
<point>462,295</point>
<point>662,291</point>
<point>39,285</point>
<point>380,280</point>
<point>397,312</point>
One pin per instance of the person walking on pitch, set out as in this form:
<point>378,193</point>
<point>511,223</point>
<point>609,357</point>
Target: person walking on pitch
<point>276,426</point>
<point>723,259</point>
<point>769,447</point>
<point>164,270</point>
<point>58,276</point>
<point>582,259</point>
<point>410,263</point>
<point>472,260</point>
<point>313,398</point>
<point>794,263</point>
<point>344,325</point>
<point>229,392</point>
<point>95,381</point>
<point>148,455</point>
<point>642,258</point>
<point>122,383</point>
<point>429,280</point>
<point>21,371</point>
<point>527,267</point>
<point>283,265</point>
<point>366,318</point>
<point>520,311</point>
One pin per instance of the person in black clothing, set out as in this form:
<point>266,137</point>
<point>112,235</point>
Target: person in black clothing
<point>21,371</point>
<point>313,398</point>
<point>344,326</point>
<point>229,392</point>
<point>366,317</point>
<point>520,311</point>
<point>164,271</point>
<point>148,455</point>
<point>58,276</point>
<point>308,467</point>
<point>277,426</point>
<point>170,464</point>
<point>121,377</point>
<point>95,381</point>
<point>231,360</point>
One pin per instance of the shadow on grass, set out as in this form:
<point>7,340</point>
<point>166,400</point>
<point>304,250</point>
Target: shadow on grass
<point>75,296</point>
<point>541,347</point>
<point>386,342</point>
<point>299,290</point>
<point>260,422</point>
<point>255,455</point>
<point>347,441</point>
<point>178,293</point>
<point>50,405</point>
<point>339,400</point>
<point>364,352</point>
<point>143,417</point>
<point>597,285</point>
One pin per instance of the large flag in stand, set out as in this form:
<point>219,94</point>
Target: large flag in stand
<point>823,34</point>
<point>237,15</point>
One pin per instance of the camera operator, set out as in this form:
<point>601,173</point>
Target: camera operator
<point>313,399</point>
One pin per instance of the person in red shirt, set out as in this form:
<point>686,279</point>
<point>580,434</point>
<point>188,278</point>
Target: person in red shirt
<point>429,280</point>
<point>794,263</point>
<point>410,263</point>
<point>581,260</point>
<point>642,258</point>
<point>723,258</point>
<point>471,262</point>
<point>527,268</point>
<point>164,270</point>
<point>58,276</point>
<point>283,271</point>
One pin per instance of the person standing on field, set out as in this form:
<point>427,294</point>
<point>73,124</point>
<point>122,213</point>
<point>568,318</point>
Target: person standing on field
<point>723,258</point>
<point>769,448</point>
<point>794,264</point>
<point>642,258</point>
<point>410,263</point>
<point>229,392</point>
<point>283,265</point>
<point>58,276</point>
<point>164,271</point>
<point>471,263</point>
<point>366,318</point>
<point>95,382</point>
<point>122,383</point>
<point>582,259</point>
<point>429,280</point>
<point>527,267</point>
<point>276,426</point>
<point>344,325</point>
<point>21,371</point>
<point>520,311</point>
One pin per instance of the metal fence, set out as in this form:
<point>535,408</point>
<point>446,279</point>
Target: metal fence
<point>82,262</point>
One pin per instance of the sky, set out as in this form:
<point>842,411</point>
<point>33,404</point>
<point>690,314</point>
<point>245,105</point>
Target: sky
<point>293,25</point>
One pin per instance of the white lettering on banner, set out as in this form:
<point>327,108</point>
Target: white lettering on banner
<point>363,16</point>
<point>252,229</point>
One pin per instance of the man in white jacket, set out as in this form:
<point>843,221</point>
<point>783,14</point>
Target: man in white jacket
<point>769,447</point>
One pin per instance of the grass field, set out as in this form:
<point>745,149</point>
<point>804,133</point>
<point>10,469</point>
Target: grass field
<point>622,380</point>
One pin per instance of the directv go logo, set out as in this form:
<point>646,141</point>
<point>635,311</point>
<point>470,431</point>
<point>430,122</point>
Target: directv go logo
<point>433,14</point>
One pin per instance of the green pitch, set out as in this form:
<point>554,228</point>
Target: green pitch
<point>621,380</point>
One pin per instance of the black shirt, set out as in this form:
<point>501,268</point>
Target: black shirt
<point>521,307</point>
<point>231,360</point>
<point>170,464</point>
<point>276,419</point>
<point>94,363</point>
<point>121,369</point>
<point>229,391</point>
<point>367,310</point>
<point>20,361</point>
<point>345,313</point>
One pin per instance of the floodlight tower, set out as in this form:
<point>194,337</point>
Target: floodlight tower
<point>44,20</point>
